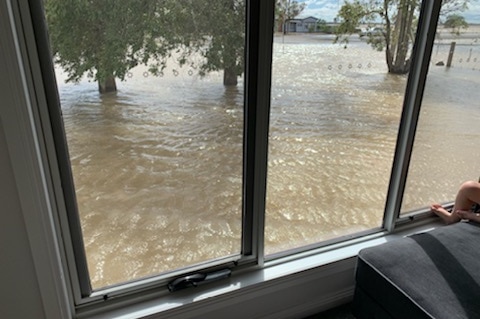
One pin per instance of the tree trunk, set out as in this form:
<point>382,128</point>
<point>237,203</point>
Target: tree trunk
<point>397,52</point>
<point>280,25</point>
<point>388,36</point>
<point>229,77</point>
<point>229,54</point>
<point>107,85</point>
<point>402,42</point>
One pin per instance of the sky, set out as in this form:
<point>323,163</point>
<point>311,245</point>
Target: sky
<point>328,9</point>
<point>321,9</point>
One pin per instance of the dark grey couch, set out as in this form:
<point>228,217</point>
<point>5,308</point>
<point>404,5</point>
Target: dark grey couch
<point>430,275</point>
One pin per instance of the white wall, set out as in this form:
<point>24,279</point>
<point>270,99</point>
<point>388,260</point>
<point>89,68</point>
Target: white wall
<point>31,279</point>
<point>19,291</point>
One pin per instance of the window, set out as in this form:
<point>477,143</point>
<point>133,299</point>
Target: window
<point>186,168</point>
<point>444,155</point>
<point>156,158</point>
<point>334,121</point>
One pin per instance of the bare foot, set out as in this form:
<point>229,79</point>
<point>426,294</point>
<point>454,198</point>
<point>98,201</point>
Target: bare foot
<point>444,214</point>
<point>439,210</point>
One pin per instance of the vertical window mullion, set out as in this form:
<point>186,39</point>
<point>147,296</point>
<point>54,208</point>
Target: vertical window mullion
<point>260,19</point>
<point>430,11</point>
<point>58,133</point>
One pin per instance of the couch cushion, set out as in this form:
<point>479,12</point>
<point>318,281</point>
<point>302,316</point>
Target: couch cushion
<point>430,275</point>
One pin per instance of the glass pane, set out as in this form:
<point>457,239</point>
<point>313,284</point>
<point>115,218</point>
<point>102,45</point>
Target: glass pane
<point>157,162</point>
<point>445,152</point>
<point>335,112</point>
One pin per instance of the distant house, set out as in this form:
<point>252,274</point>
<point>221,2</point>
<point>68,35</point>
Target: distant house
<point>301,25</point>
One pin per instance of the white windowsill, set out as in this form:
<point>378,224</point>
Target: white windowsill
<point>297,276</point>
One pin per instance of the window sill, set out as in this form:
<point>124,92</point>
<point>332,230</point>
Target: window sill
<point>319,281</point>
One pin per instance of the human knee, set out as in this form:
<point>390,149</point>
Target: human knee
<point>469,185</point>
<point>469,191</point>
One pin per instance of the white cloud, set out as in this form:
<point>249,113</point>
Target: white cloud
<point>472,14</point>
<point>321,9</point>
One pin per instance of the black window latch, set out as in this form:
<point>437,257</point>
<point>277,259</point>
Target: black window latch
<point>194,279</point>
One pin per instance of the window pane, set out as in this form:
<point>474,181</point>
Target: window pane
<point>335,112</point>
<point>157,163</point>
<point>445,152</point>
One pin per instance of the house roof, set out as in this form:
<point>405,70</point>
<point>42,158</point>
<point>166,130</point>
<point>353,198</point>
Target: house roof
<point>303,19</point>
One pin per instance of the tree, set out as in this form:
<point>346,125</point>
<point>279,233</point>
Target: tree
<point>455,22</point>
<point>105,39</point>
<point>322,25</point>
<point>213,30</point>
<point>286,10</point>
<point>222,28</point>
<point>398,19</point>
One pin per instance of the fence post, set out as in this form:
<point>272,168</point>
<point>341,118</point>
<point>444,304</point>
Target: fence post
<point>450,54</point>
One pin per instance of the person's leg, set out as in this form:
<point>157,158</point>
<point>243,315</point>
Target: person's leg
<point>445,215</point>
<point>468,194</point>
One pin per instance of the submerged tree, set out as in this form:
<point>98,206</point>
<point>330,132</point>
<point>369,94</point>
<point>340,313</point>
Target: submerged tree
<point>209,35</point>
<point>455,22</point>
<point>398,19</point>
<point>105,39</point>
<point>221,24</point>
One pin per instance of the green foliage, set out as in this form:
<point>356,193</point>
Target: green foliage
<point>397,20</point>
<point>456,22</point>
<point>322,26</point>
<point>104,39</point>
<point>222,28</point>
<point>351,15</point>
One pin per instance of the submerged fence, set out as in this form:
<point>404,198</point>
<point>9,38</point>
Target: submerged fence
<point>457,55</point>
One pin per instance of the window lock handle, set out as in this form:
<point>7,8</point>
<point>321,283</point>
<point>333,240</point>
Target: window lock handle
<point>194,280</point>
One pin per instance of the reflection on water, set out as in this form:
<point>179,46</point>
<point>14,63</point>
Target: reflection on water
<point>158,165</point>
<point>334,120</point>
<point>158,173</point>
